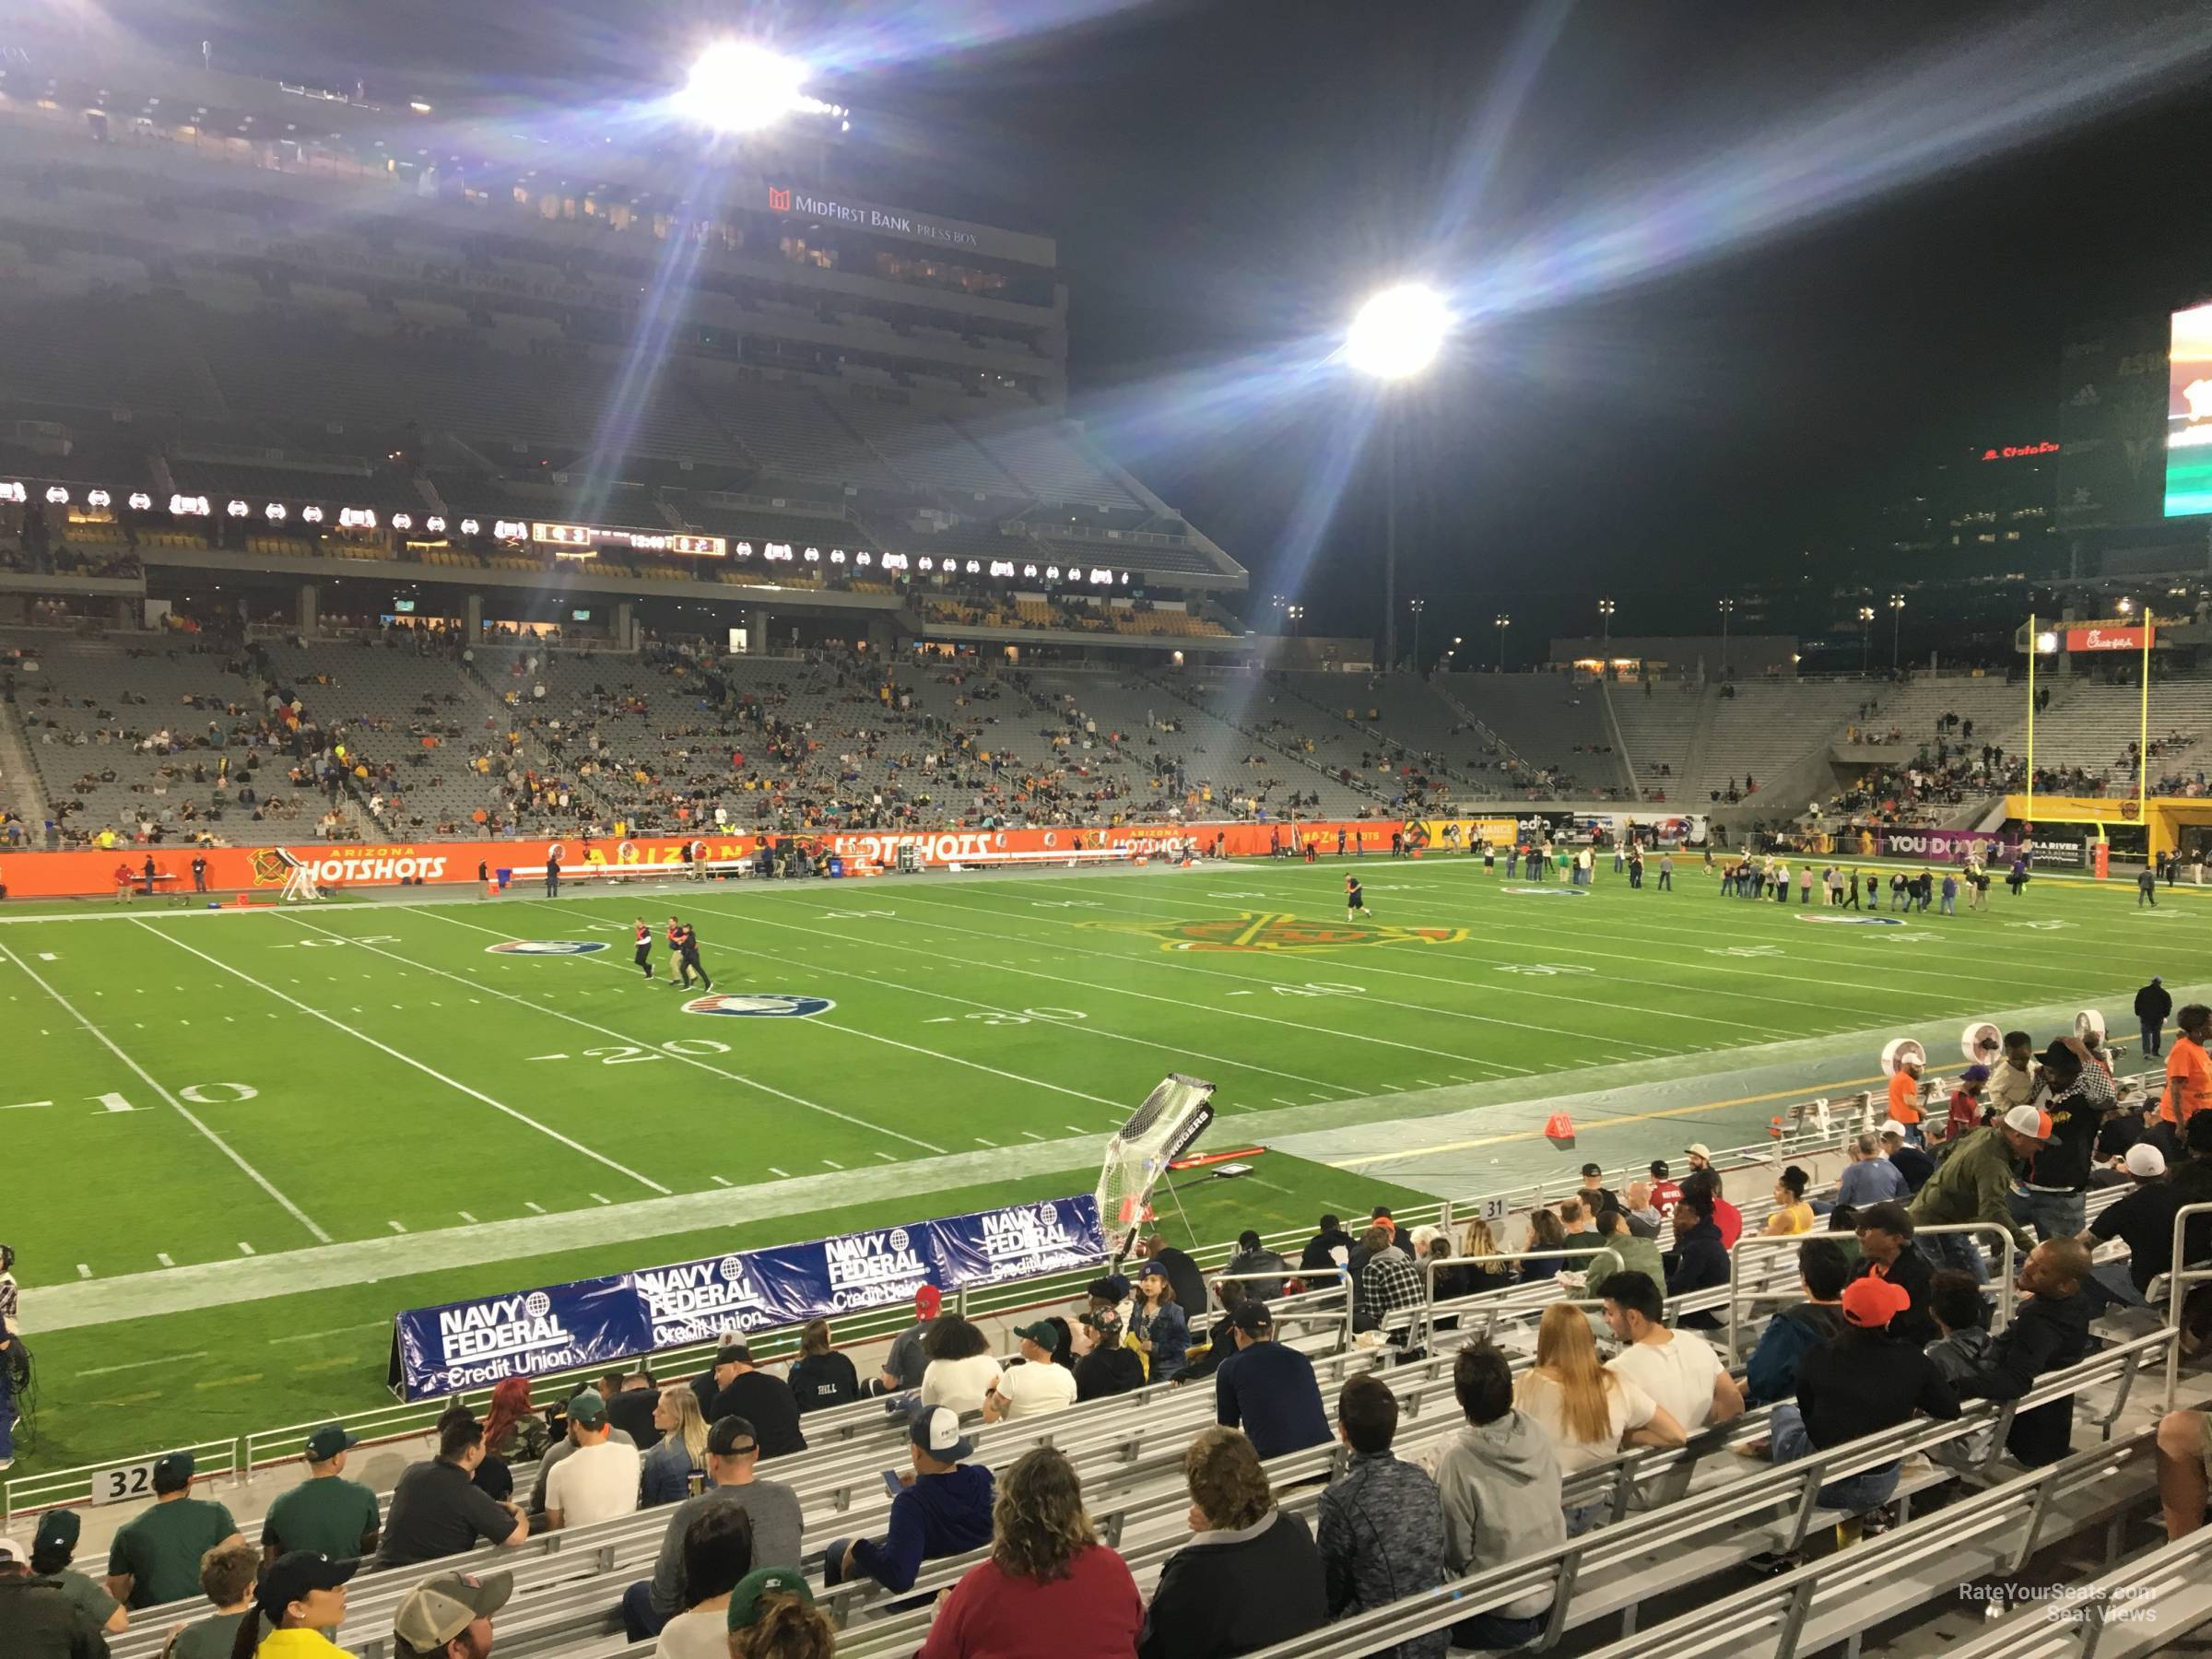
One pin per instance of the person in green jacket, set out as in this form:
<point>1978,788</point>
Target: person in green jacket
<point>1623,1252</point>
<point>1973,1183</point>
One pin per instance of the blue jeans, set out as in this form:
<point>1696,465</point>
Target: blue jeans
<point>2154,1034</point>
<point>1959,1251</point>
<point>1854,1493</point>
<point>2113,1279</point>
<point>8,1419</point>
<point>1496,1630</point>
<point>2054,1215</point>
<point>639,1615</point>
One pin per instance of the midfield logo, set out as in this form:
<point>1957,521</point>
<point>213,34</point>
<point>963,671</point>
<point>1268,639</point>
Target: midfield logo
<point>1279,930</point>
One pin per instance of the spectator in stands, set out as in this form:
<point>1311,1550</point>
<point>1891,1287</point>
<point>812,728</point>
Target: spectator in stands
<point>1961,1313</point>
<point>1381,1527</point>
<point>1034,1384</point>
<point>325,1513</point>
<point>1823,1271</point>
<point>1108,1368</point>
<point>300,1598</point>
<point>2144,1220</point>
<point>599,1481</point>
<point>634,1406</point>
<point>39,1620</point>
<point>1047,1574</point>
<point>156,1557</point>
<point>821,1376</point>
<point>762,1398</point>
<point>1968,1109</point>
<point>1791,1213</point>
<point>903,1366</point>
<point>1859,1383</point>
<point>1182,1273</point>
<point>1328,1249</point>
<point>2048,1331</point>
<point>1870,1177</point>
<point>1974,1183</point>
<point>1478,1250</point>
<point>1589,1411</point>
<point>450,1616</point>
<point>676,1466</point>
<point>1681,1372</point>
<point>1643,1218</point>
<point>1546,1234</point>
<point>227,1578</point>
<point>2079,1092</point>
<point>1706,1183</point>
<point>961,1369</point>
<point>1623,1252</point>
<point>1157,1325</point>
<point>2012,1078</point>
<point>53,1548</point>
<point>772,1616</point>
<point>1700,1258</point>
<point>437,1510</point>
<point>771,1508</point>
<point>513,1433</point>
<point>1884,1235</point>
<point>1594,1195</point>
<point>1254,1257</point>
<point>1268,1389</point>
<point>944,1508</point>
<point>1109,1294</point>
<point>1390,1285</point>
<point>1911,1162</point>
<point>1499,1481</point>
<point>1201,1359</point>
<point>718,1553</point>
<point>2188,1078</point>
<point>1251,1576</point>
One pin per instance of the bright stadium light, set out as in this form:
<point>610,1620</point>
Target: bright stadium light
<point>737,86</point>
<point>1398,332</point>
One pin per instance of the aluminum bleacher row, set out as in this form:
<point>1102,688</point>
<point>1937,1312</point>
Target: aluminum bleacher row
<point>1680,1524</point>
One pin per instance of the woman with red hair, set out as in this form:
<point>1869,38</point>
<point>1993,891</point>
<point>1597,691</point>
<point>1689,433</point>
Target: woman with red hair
<point>513,1433</point>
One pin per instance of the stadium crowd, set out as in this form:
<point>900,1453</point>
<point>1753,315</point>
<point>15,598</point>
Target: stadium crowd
<point>1890,1325</point>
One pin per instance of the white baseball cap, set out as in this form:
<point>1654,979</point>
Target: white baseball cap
<point>2030,1121</point>
<point>2145,1161</point>
<point>12,1551</point>
<point>1896,1130</point>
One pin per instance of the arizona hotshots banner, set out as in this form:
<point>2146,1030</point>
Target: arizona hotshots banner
<point>235,872</point>
<point>470,1345</point>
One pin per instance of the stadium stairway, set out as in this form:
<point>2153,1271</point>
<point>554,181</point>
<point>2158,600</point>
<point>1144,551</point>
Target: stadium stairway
<point>21,791</point>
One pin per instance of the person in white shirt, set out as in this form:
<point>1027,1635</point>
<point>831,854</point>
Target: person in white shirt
<point>961,1370</point>
<point>1035,1386</point>
<point>1590,1412</point>
<point>598,1482</point>
<point>1682,1373</point>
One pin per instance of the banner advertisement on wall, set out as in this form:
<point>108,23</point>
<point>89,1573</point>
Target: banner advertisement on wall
<point>537,1333</point>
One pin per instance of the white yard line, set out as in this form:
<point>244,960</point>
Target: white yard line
<point>407,1059</point>
<point>183,1110</point>
<point>608,1031</point>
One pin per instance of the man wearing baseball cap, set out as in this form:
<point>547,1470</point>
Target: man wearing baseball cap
<point>1036,1385</point>
<point>156,1558</point>
<point>903,1365</point>
<point>732,1460</point>
<point>598,1482</point>
<point>300,1597</point>
<point>1268,1390</point>
<point>325,1513</point>
<point>53,1548</point>
<point>450,1616</point>
<point>1863,1382</point>
<point>2144,1220</point>
<point>943,1509</point>
<point>37,1619</point>
<point>1974,1183</point>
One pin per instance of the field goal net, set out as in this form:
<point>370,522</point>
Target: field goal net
<point>1158,1131</point>
<point>299,881</point>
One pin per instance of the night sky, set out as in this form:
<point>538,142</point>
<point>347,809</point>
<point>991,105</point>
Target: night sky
<point>1227,181</point>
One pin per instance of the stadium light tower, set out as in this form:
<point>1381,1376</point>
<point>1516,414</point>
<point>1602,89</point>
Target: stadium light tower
<point>1865,636</point>
<point>1604,623</point>
<point>1727,610</point>
<point>1396,336</point>
<point>1897,626</point>
<point>1416,607</point>
<point>1504,622</point>
<point>741,87</point>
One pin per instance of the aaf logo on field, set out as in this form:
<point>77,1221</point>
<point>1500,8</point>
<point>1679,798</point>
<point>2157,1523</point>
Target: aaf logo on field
<point>1854,921</point>
<point>545,947</point>
<point>1549,892</point>
<point>761,1005</point>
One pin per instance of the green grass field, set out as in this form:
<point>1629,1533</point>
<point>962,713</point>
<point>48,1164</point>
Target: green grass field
<point>240,1141</point>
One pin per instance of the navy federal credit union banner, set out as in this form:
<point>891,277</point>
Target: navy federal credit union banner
<point>470,1345</point>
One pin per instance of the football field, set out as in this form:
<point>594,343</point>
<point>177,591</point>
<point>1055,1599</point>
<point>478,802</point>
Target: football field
<point>240,1140</point>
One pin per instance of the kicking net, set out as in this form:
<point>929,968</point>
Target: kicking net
<point>1158,1131</point>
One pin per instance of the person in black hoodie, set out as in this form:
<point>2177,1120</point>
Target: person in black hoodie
<point>2050,1332</point>
<point>1770,1373</point>
<point>1884,1233</point>
<point>1862,1383</point>
<point>1251,1575</point>
<point>2058,1177</point>
<point>1108,1368</point>
<point>1317,1256</point>
<point>1700,1259</point>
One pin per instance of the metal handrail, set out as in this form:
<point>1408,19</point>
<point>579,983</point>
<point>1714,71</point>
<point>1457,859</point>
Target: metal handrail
<point>1776,1241</point>
<point>2178,1277</point>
